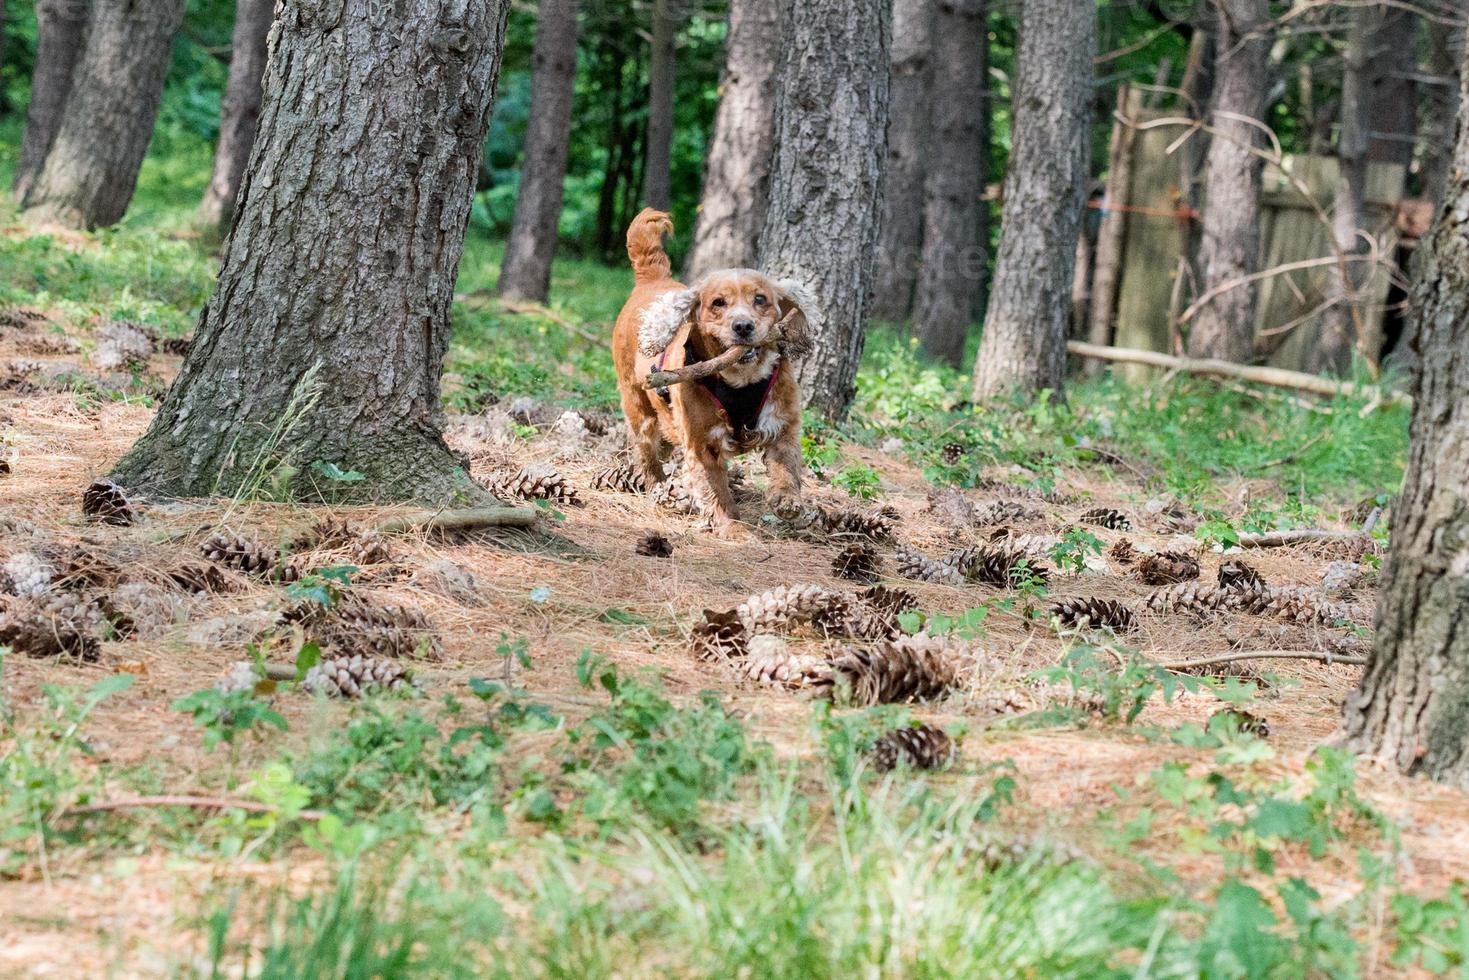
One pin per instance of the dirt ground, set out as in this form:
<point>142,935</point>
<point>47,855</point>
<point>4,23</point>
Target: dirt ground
<point>120,915</point>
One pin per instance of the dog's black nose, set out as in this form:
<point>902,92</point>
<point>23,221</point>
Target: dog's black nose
<point>743,328</point>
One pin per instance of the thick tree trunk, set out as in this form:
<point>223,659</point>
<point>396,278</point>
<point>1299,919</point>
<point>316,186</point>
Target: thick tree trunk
<point>909,131</point>
<point>1024,343</point>
<point>827,177</point>
<point>88,178</point>
<point>61,27</point>
<point>953,225</point>
<point>326,333</point>
<point>1441,107</point>
<point>615,145</point>
<point>1412,709</point>
<point>239,112</point>
<point>658,162</point>
<point>1339,332</point>
<point>737,175</point>
<point>1392,118</point>
<point>1224,328</point>
<point>526,271</point>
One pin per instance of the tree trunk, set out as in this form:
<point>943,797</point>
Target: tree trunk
<point>239,112</point>
<point>526,271</point>
<point>325,335</point>
<point>1441,108</point>
<point>953,225</point>
<point>61,27</point>
<point>827,177</point>
<point>737,175</point>
<point>1339,330</point>
<point>1024,343</point>
<point>88,178</point>
<point>1392,118</point>
<point>909,131</point>
<point>658,162</point>
<point>1108,260</point>
<point>1224,328</point>
<point>1411,711</point>
<point>614,146</point>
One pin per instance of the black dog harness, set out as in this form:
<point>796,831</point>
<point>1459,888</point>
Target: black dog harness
<point>740,407</point>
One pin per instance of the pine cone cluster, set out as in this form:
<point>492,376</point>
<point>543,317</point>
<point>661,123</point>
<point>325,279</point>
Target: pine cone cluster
<point>537,482</point>
<point>623,478</point>
<point>858,562</point>
<point>1106,517</point>
<point>920,746</point>
<point>106,503</point>
<point>654,546</point>
<point>357,626</point>
<point>362,545</point>
<point>786,607</point>
<point>356,676</point>
<point>915,668</point>
<point>1083,613</point>
<point>1167,568</point>
<point>243,554</point>
<point>1236,574</point>
<point>913,564</point>
<point>997,567</point>
<point>1285,604</point>
<point>54,624</point>
<point>719,636</point>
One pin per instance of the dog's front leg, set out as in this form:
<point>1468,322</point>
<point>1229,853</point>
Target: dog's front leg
<point>783,462</point>
<point>710,483</point>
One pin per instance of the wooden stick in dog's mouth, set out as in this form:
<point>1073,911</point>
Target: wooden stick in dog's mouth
<point>727,359</point>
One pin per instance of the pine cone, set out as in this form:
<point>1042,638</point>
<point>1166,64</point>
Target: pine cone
<point>1288,605</point>
<point>874,525</point>
<point>1236,574</point>
<point>952,453</point>
<point>950,506</point>
<point>858,562</point>
<point>626,478</point>
<point>789,606</point>
<point>769,662</point>
<point>356,676</point>
<point>81,565</point>
<point>655,546</point>
<point>356,626</point>
<point>1123,553</point>
<point>1188,597</point>
<point>875,616</point>
<point>57,624</point>
<point>921,746</point>
<point>914,564</point>
<point>719,636</point>
<point>538,482</point>
<point>369,547</point>
<point>196,577</point>
<point>1167,568</point>
<point>1000,568</point>
<point>915,668</point>
<point>106,503</point>
<point>1246,722</point>
<point>177,346</point>
<point>1107,517</point>
<point>674,494</point>
<point>888,600</point>
<point>1002,512</point>
<point>1085,613</point>
<point>27,574</point>
<point>244,554</point>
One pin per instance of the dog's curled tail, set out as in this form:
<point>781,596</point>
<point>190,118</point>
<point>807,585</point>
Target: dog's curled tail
<point>645,246</point>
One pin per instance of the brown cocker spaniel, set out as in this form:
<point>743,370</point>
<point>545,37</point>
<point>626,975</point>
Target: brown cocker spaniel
<point>753,405</point>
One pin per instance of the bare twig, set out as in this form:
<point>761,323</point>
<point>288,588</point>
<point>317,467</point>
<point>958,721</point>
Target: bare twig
<point>194,802</point>
<point>1295,454</point>
<point>460,520</point>
<point>1279,539</point>
<point>695,371</point>
<point>1319,657</point>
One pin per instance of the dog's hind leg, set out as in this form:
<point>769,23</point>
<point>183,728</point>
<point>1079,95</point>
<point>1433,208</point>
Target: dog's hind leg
<point>649,448</point>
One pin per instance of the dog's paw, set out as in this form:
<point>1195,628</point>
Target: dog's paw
<point>727,529</point>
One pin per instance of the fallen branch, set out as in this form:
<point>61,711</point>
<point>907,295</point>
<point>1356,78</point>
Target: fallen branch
<point>1278,539</point>
<point>467,519</point>
<point>1274,377</point>
<point>194,802</point>
<point>695,371</point>
<point>1325,658</point>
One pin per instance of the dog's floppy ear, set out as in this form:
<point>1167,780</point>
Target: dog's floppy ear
<point>807,321</point>
<point>662,318</point>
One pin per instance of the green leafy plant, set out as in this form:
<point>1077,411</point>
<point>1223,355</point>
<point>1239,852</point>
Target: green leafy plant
<point>859,480</point>
<point>1075,547</point>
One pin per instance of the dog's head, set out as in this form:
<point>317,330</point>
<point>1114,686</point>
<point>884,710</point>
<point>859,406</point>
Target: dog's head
<point>730,308</point>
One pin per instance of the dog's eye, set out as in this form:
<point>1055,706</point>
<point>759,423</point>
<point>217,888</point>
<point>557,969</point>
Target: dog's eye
<point>760,299</point>
<point>718,303</point>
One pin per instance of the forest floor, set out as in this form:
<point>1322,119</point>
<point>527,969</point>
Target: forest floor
<point>561,798</point>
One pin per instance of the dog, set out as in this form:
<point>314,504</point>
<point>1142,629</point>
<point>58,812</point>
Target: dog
<point>753,405</point>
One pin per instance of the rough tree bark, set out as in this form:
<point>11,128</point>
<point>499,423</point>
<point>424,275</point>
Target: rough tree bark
<point>88,178</point>
<point>1024,344</point>
<point>61,27</point>
<point>953,225</point>
<point>909,130</point>
<point>658,159</point>
<point>239,112</point>
<point>827,177</point>
<point>1441,108</point>
<point>1411,711</point>
<point>325,335</point>
<point>526,271</point>
<point>1229,249</point>
<point>737,174</point>
<point>1339,333</point>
